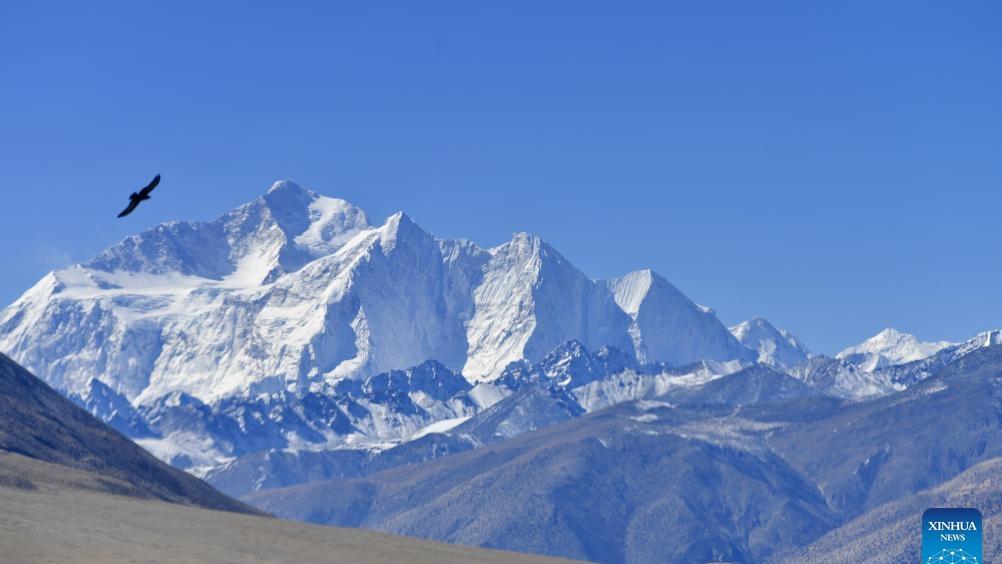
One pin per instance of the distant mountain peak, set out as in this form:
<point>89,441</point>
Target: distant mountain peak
<point>524,244</point>
<point>631,289</point>
<point>667,325</point>
<point>286,194</point>
<point>315,224</point>
<point>526,238</point>
<point>775,347</point>
<point>890,347</point>
<point>285,186</point>
<point>400,225</point>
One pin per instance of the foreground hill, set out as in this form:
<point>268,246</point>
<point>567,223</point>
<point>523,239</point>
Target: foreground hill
<point>53,438</point>
<point>71,526</point>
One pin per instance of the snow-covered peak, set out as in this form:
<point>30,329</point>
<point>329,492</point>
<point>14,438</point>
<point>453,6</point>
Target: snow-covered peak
<point>399,227</point>
<point>319,224</point>
<point>277,233</point>
<point>288,194</point>
<point>285,187</point>
<point>775,347</point>
<point>524,245</point>
<point>293,224</point>
<point>668,326</point>
<point>890,347</point>
<point>531,300</point>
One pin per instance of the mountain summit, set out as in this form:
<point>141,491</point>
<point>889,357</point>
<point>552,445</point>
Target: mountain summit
<point>667,326</point>
<point>775,347</point>
<point>890,347</point>
<point>274,234</point>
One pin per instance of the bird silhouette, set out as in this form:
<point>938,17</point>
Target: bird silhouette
<point>137,197</point>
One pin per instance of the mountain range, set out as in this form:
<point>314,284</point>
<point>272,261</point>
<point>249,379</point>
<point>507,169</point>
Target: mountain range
<point>732,477</point>
<point>329,370</point>
<point>295,289</point>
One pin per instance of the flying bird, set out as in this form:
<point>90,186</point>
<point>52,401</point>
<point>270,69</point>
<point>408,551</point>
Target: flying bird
<point>137,197</point>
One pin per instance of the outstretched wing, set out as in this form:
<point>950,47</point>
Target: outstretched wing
<point>149,187</point>
<point>133,203</point>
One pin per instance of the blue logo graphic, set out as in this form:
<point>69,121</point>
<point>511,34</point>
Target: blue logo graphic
<point>951,536</point>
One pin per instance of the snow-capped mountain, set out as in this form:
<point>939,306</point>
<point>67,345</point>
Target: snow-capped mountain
<point>529,301</point>
<point>888,348</point>
<point>296,290</point>
<point>667,326</point>
<point>372,413</point>
<point>858,376</point>
<point>392,408</point>
<point>905,375</point>
<point>291,341</point>
<point>567,383</point>
<point>775,347</point>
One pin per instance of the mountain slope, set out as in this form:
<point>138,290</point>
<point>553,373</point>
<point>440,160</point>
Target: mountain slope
<point>756,384</point>
<point>428,412</point>
<point>58,464</point>
<point>74,527</point>
<point>603,487</point>
<point>889,447</point>
<point>843,378</point>
<point>37,423</point>
<point>894,526</point>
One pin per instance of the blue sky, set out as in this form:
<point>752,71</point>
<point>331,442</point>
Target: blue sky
<point>832,166</point>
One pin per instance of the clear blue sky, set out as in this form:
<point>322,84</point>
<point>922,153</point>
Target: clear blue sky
<point>833,166</point>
